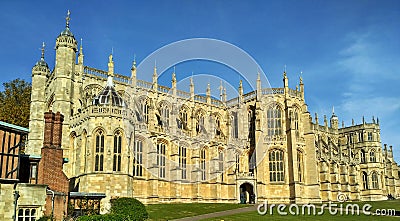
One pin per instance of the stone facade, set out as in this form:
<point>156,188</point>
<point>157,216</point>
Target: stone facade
<point>127,137</point>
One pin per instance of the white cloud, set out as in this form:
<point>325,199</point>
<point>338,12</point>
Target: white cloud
<point>369,65</point>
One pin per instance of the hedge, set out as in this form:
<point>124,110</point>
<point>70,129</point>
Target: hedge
<point>126,209</point>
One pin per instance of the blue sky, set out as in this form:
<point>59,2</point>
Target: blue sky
<point>347,50</point>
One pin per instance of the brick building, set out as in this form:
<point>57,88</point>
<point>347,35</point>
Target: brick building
<point>34,184</point>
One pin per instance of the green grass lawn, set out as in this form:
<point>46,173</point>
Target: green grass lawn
<point>387,204</point>
<point>326,217</point>
<point>180,210</point>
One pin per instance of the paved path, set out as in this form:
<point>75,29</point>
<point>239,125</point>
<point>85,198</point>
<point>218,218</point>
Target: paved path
<point>218,214</point>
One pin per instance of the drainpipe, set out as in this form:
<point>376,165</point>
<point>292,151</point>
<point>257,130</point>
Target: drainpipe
<point>16,196</point>
<point>52,202</point>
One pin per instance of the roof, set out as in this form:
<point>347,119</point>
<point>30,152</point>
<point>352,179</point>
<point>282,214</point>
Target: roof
<point>86,195</point>
<point>109,94</point>
<point>14,127</point>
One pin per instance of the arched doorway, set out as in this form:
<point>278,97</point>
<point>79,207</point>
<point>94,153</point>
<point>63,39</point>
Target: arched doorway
<point>246,193</point>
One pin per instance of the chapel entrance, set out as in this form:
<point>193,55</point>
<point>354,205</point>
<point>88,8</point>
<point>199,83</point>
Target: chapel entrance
<point>247,196</point>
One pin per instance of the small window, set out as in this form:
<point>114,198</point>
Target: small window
<point>300,165</point>
<point>369,136</point>
<point>27,214</point>
<point>372,157</point>
<point>203,164</point>
<point>117,151</point>
<point>182,161</point>
<point>99,151</point>
<point>374,180</point>
<point>365,180</point>
<point>360,137</point>
<point>362,156</point>
<point>138,158</point>
<point>161,157</point>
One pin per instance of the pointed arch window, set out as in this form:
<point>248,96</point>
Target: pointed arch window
<point>117,151</point>
<point>138,158</point>
<point>203,163</point>
<point>161,159</point>
<point>164,116</point>
<point>218,130</point>
<point>365,180</point>
<point>276,166</point>
<point>374,180</point>
<point>300,165</point>
<point>274,120</point>
<point>372,157</point>
<point>183,119</point>
<point>182,161</point>
<point>99,151</point>
<point>144,108</point>
<point>200,124</point>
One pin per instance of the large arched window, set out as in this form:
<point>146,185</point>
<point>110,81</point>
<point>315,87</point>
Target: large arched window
<point>117,151</point>
<point>274,120</point>
<point>138,158</point>
<point>374,180</point>
<point>203,163</point>
<point>300,165</point>
<point>161,159</point>
<point>182,161</point>
<point>276,166</point>
<point>365,180</point>
<point>372,157</point>
<point>99,151</point>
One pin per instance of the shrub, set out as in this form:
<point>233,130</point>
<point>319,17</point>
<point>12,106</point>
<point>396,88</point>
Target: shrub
<point>131,208</point>
<point>124,209</point>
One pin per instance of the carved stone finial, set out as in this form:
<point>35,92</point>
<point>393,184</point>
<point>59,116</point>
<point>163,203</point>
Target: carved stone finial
<point>67,19</point>
<point>43,45</point>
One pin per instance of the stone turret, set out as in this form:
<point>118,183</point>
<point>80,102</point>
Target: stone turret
<point>64,77</point>
<point>40,72</point>
<point>334,120</point>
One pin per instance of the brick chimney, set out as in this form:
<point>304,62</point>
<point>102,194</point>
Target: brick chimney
<point>51,166</point>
